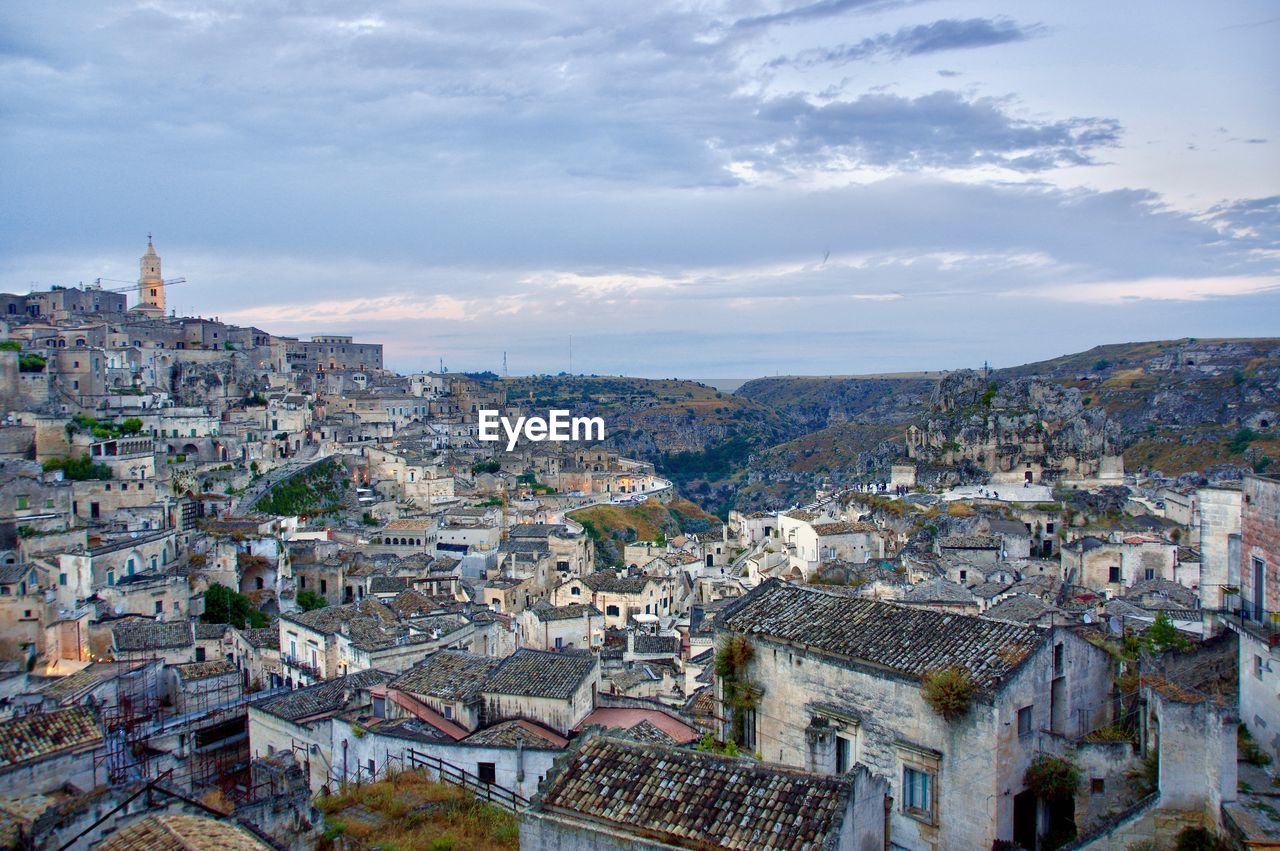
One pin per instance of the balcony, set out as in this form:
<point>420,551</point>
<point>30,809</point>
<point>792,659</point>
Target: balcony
<point>301,667</point>
<point>1265,628</point>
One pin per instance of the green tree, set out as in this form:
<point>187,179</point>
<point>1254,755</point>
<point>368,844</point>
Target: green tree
<point>131,425</point>
<point>1164,635</point>
<point>310,600</point>
<point>223,605</point>
<point>81,469</point>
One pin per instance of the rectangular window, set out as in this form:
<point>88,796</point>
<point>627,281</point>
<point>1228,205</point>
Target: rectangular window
<point>62,579</point>
<point>1097,786</point>
<point>1024,721</point>
<point>48,503</point>
<point>159,606</point>
<point>1150,573</point>
<point>487,772</point>
<point>1113,574</point>
<point>917,793</point>
<point>1257,666</point>
<point>844,754</point>
<point>1058,659</point>
<point>21,503</point>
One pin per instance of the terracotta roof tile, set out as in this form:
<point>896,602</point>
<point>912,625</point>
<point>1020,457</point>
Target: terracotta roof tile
<point>694,799</point>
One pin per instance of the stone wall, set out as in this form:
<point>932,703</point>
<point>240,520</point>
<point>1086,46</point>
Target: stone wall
<point>1219,518</point>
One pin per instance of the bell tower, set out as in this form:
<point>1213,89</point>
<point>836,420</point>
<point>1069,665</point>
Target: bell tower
<point>151,284</point>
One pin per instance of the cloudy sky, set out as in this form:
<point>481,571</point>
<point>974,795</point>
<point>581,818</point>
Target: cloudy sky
<point>698,189</point>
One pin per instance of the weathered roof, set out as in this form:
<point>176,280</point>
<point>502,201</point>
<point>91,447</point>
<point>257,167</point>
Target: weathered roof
<point>180,832</point>
<point>695,799</point>
<point>989,589</point>
<point>202,670</point>
<point>447,674</point>
<point>938,590</point>
<point>29,737</point>
<point>969,542</point>
<point>326,697</point>
<point>1012,528</point>
<point>665,644</point>
<point>629,717</point>
<point>562,613</point>
<point>905,639</point>
<point>509,734</point>
<point>842,528</point>
<point>138,635</point>
<point>267,638</point>
<point>612,583</point>
<point>1161,593</point>
<point>541,673</point>
<point>1019,608</point>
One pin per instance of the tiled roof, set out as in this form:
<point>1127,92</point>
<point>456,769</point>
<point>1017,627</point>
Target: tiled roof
<point>969,542</point>
<point>201,670</point>
<point>137,635</point>
<point>1020,608</point>
<point>842,528</point>
<point>988,590</point>
<point>630,717</point>
<point>562,613</point>
<point>325,697</point>
<point>210,631</point>
<point>541,673</point>
<point>509,734</point>
<point>178,832</point>
<point>267,638</point>
<point>447,674</point>
<point>614,584</point>
<point>694,799</point>
<point>938,590</point>
<point>29,737</point>
<point>645,731</point>
<point>412,602</point>
<point>1012,528</point>
<point>665,644</point>
<point>1150,591</point>
<point>905,639</point>
<point>631,677</point>
<point>61,688</point>
<point>387,584</point>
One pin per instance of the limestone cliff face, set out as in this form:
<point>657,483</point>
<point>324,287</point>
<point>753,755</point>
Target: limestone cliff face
<point>1020,427</point>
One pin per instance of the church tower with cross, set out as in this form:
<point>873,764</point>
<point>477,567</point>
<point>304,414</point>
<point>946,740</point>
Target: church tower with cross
<point>151,284</point>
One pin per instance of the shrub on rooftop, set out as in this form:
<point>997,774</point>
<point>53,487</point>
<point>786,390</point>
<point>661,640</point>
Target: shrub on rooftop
<point>948,691</point>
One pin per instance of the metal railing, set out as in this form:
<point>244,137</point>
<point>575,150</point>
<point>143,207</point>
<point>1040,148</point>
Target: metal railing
<point>447,772</point>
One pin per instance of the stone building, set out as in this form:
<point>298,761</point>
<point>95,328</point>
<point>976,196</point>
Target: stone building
<point>841,682</point>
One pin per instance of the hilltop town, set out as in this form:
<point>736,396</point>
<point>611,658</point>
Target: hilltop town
<point>264,592</point>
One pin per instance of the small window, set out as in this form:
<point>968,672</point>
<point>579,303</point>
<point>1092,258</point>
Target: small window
<point>1058,659</point>
<point>448,712</point>
<point>1097,786</point>
<point>1113,574</point>
<point>611,611</point>
<point>964,574</point>
<point>1024,721</point>
<point>1149,573</point>
<point>159,607</point>
<point>917,793</point>
<point>1257,666</point>
<point>575,591</point>
<point>487,772</point>
<point>200,657</point>
<point>20,503</point>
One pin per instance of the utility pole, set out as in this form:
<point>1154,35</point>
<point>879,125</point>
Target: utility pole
<point>571,354</point>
